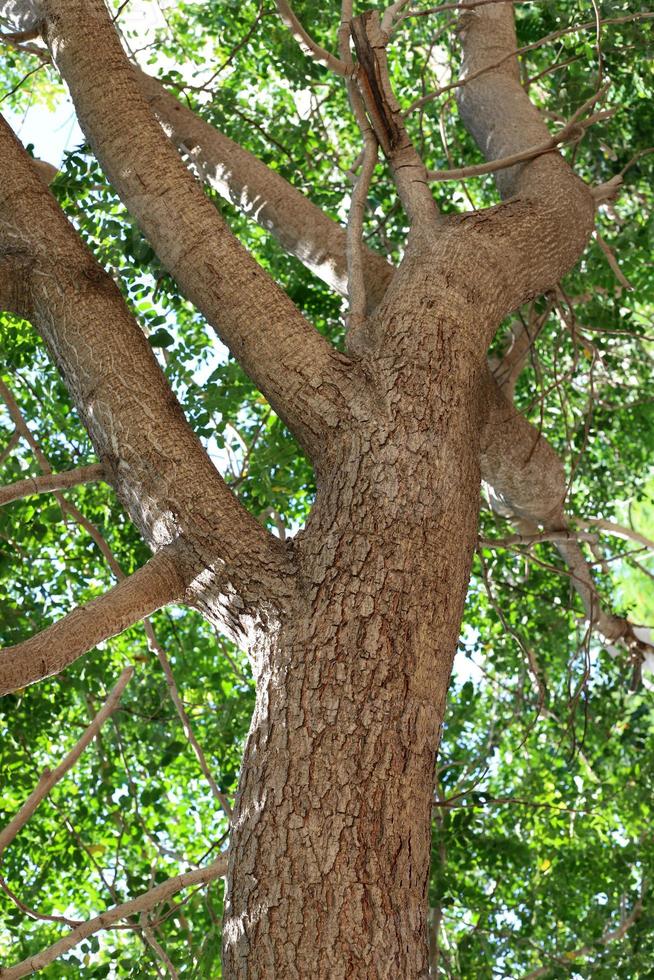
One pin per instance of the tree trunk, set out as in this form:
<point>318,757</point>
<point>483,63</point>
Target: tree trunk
<point>329,853</point>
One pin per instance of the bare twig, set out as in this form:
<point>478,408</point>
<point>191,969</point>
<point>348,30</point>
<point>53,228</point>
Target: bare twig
<point>310,47</point>
<point>156,648</point>
<point>531,539</point>
<point>617,529</point>
<point>143,902</point>
<point>573,130</point>
<point>547,39</point>
<point>50,778</point>
<point>33,913</point>
<point>609,937</point>
<point>9,448</point>
<point>612,261</point>
<point>464,5</point>
<point>366,160</point>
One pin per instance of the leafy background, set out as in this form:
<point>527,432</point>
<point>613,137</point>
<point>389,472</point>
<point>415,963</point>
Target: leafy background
<point>542,837</point>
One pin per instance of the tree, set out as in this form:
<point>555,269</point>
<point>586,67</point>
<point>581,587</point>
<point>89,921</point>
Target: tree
<point>374,444</point>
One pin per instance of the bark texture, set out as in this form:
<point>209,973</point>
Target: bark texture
<point>329,853</point>
<point>353,625</point>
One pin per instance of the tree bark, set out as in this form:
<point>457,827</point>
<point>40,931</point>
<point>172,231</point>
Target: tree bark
<point>353,625</point>
<point>329,854</point>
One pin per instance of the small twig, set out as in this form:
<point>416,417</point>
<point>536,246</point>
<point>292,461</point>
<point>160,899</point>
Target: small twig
<point>530,539</point>
<point>22,81</point>
<point>612,261</point>
<point>50,482</point>
<point>391,13</point>
<point>32,913</point>
<point>573,130</point>
<point>156,648</point>
<point>310,47</point>
<point>609,190</point>
<point>149,933</point>
<point>610,936</point>
<point>50,778</point>
<point>547,39</point>
<point>11,445</point>
<point>617,529</point>
<point>354,240</point>
<point>464,5</point>
<point>141,903</point>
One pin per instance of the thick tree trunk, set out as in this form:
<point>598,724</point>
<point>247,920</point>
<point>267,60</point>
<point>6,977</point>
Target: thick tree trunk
<point>329,854</point>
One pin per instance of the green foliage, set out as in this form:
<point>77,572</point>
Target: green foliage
<point>542,838</point>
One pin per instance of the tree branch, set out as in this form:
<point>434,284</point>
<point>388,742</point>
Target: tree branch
<point>355,251</point>
<point>383,110</point>
<point>50,482</point>
<point>572,131</point>
<point>548,215</point>
<point>300,226</point>
<point>530,488</point>
<point>619,530</point>
<point>306,381</point>
<point>156,584</point>
<point>158,467</point>
<point>157,649</point>
<point>611,936</point>
<point>516,52</point>
<point>50,778</point>
<point>520,342</point>
<point>144,902</point>
<point>9,448</point>
<point>529,539</point>
<point>306,42</point>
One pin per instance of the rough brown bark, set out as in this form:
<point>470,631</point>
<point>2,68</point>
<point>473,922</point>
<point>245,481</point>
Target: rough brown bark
<point>329,854</point>
<point>305,380</point>
<point>298,224</point>
<point>352,626</point>
<point>156,464</point>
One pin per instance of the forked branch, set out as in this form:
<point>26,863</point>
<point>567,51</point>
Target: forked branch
<point>300,226</point>
<point>158,467</point>
<point>383,110</point>
<point>297,370</point>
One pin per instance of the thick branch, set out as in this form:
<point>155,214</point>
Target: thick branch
<point>529,487</point>
<point>156,584</point>
<point>50,482</point>
<point>50,778</point>
<point>304,379</point>
<point>144,902</point>
<point>300,226</point>
<point>545,224</point>
<point>159,469</point>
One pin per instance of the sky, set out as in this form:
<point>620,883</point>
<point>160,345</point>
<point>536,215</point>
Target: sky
<point>52,133</point>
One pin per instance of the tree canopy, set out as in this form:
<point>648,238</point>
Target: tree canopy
<point>543,856</point>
